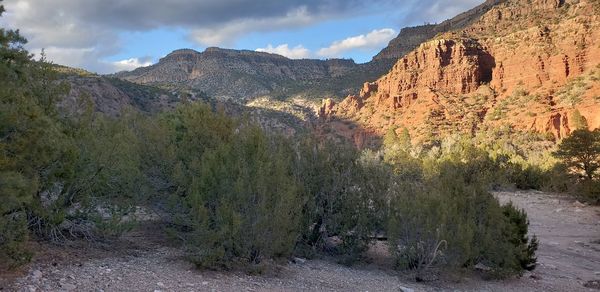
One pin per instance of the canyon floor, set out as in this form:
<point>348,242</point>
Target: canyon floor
<point>568,257</point>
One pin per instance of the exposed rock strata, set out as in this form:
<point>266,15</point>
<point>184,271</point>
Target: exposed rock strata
<point>526,64</point>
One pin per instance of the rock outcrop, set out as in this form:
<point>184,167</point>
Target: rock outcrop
<point>110,95</point>
<point>524,64</point>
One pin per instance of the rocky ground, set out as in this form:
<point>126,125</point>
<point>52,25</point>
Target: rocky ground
<point>569,259</point>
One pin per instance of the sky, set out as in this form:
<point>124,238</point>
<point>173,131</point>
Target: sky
<point>107,36</point>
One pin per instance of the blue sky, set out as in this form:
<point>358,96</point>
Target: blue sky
<point>159,42</point>
<point>112,35</point>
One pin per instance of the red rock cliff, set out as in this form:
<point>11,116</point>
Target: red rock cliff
<point>527,64</point>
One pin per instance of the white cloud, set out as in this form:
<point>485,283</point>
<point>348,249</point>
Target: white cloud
<point>297,52</point>
<point>374,39</point>
<point>226,34</point>
<point>83,33</point>
<point>130,64</point>
<point>90,59</point>
<point>436,11</point>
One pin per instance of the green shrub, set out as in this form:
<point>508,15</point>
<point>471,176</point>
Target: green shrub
<point>235,199</point>
<point>451,221</point>
<point>344,199</point>
<point>524,247</point>
<point>530,177</point>
<point>588,190</point>
<point>13,233</point>
<point>244,203</point>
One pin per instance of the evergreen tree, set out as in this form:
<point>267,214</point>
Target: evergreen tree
<point>30,141</point>
<point>404,140</point>
<point>391,139</point>
<point>579,121</point>
<point>581,151</point>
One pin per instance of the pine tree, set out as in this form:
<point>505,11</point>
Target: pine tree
<point>581,151</point>
<point>28,149</point>
<point>579,121</point>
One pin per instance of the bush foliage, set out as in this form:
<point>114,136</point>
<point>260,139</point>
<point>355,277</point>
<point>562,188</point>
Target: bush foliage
<point>236,196</point>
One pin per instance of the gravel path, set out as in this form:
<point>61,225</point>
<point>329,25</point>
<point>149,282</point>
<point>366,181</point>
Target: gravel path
<point>569,257</point>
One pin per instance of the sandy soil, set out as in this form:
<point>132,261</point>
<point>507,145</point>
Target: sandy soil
<point>569,257</point>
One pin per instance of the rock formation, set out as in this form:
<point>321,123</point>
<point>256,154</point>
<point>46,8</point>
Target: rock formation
<point>525,64</point>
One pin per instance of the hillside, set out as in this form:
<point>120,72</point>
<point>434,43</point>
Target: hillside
<point>243,74</point>
<point>527,66</point>
<point>111,95</point>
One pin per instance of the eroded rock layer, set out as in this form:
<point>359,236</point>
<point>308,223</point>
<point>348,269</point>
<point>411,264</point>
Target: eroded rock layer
<point>530,65</point>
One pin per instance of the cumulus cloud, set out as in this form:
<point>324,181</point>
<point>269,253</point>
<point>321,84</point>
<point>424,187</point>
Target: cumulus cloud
<point>81,20</point>
<point>86,32</point>
<point>227,33</point>
<point>132,63</point>
<point>374,39</point>
<point>90,59</point>
<point>297,52</point>
<point>436,11</point>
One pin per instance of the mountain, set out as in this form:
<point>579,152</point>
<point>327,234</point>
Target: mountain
<point>110,95</point>
<point>525,66</point>
<point>411,37</point>
<point>243,74</point>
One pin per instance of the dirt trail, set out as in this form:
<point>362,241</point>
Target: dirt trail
<point>569,256</point>
<point>569,233</point>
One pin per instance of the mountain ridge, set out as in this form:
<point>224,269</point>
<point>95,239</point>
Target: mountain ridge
<point>410,38</point>
<point>245,74</point>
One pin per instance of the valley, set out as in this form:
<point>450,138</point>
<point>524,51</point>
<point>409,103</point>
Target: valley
<point>463,155</point>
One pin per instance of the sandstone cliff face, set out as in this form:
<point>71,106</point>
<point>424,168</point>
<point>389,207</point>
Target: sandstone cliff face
<point>451,66</point>
<point>243,75</point>
<point>525,64</point>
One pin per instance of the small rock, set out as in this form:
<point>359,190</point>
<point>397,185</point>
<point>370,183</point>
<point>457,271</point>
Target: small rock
<point>68,287</point>
<point>482,267</point>
<point>299,260</point>
<point>31,288</point>
<point>579,204</point>
<point>119,279</point>
<point>405,289</point>
<point>205,283</point>
<point>577,210</point>
<point>160,284</point>
<point>594,284</point>
<point>535,277</point>
<point>36,275</point>
<point>558,210</point>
